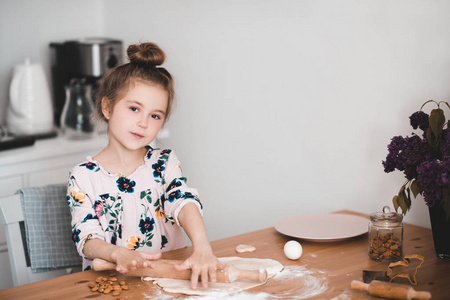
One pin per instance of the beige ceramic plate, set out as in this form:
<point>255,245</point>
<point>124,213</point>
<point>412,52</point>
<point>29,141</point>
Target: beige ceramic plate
<point>323,227</point>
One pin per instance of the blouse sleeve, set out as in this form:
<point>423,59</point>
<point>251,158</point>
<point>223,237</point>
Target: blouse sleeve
<point>176,192</point>
<point>85,219</point>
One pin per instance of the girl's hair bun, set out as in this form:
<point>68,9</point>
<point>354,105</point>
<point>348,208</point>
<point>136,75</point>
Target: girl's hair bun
<point>146,54</point>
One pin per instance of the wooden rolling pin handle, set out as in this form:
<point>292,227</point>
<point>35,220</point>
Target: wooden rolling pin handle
<point>103,265</point>
<point>390,290</point>
<point>165,268</point>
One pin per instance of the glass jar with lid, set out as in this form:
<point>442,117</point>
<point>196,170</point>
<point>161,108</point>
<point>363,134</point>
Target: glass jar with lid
<point>386,236</point>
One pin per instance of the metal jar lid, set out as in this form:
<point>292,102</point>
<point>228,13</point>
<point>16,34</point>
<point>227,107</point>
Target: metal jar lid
<point>386,218</point>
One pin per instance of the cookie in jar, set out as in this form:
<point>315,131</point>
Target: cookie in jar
<point>386,236</point>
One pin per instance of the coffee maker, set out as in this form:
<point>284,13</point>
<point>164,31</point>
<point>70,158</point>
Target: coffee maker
<point>84,60</point>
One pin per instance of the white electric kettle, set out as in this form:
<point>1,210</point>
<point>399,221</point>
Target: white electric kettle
<point>30,110</point>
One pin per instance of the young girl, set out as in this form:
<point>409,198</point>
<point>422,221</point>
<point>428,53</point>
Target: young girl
<point>129,201</point>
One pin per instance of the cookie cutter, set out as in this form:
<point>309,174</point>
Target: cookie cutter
<point>405,262</point>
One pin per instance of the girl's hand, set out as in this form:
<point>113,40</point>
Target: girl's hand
<point>203,264</point>
<point>129,260</point>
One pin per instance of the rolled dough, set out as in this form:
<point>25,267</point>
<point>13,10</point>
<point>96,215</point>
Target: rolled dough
<point>179,286</point>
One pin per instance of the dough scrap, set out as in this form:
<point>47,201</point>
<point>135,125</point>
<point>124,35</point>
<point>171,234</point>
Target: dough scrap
<point>245,248</point>
<point>179,286</point>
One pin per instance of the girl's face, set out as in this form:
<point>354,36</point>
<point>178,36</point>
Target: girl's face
<point>137,117</point>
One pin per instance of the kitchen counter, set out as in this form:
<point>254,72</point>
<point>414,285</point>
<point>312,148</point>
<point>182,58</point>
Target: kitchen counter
<point>336,264</point>
<point>59,146</point>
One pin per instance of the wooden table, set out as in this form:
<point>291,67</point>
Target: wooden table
<point>336,263</point>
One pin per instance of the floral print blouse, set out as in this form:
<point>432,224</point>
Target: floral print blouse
<point>139,211</point>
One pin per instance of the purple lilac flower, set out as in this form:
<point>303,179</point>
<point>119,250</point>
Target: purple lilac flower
<point>432,177</point>
<point>394,159</point>
<point>419,119</point>
<point>444,178</point>
<point>405,154</point>
<point>420,160</point>
<point>418,151</point>
<point>445,149</point>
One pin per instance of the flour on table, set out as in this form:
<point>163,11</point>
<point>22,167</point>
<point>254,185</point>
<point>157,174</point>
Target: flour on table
<point>308,283</point>
<point>179,286</point>
<point>245,248</point>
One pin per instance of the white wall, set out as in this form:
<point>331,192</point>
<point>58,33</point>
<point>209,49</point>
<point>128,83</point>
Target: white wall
<point>283,107</point>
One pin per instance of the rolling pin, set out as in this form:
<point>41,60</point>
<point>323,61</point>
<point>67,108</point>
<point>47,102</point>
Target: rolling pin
<point>164,268</point>
<point>390,290</point>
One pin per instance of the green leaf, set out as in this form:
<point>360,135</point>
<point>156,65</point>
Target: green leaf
<point>402,202</point>
<point>415,188</point>
<point>402,189</point>
<point>408,199</point>
<point>437,120</point>
<point>142,195</point>
<point>395,202</point>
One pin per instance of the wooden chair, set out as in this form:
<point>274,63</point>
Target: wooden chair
<point>11,216</point>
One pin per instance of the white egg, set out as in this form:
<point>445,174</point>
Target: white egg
<point>293,250</point>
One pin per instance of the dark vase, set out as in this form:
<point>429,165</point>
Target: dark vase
<point>441,231</point>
